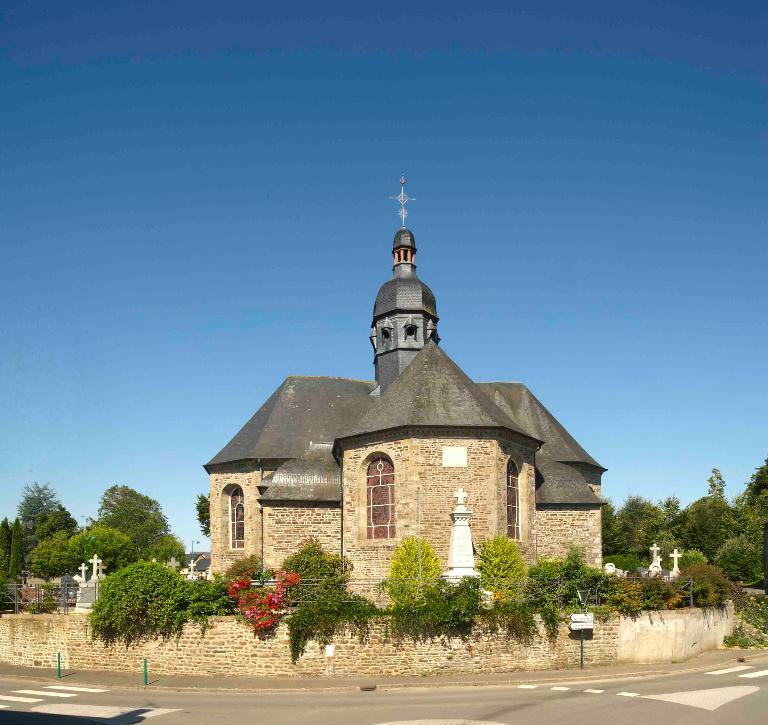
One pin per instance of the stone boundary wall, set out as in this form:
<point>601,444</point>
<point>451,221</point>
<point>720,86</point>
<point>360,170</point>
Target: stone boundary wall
<point>230,648</point>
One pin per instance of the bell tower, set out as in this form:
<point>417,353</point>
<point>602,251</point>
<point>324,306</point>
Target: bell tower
<point>405,312</point>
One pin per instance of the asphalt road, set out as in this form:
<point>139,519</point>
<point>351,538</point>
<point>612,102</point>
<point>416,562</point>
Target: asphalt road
<point>722,697</point>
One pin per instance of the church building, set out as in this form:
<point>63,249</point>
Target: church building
<point>362,464</point>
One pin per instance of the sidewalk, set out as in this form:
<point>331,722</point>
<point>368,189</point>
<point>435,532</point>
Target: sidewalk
<point>128,680</point>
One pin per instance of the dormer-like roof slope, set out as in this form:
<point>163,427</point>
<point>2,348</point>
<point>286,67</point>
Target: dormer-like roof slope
<point>526,409</point>
<point>301,410</point>
<point>433,392</point>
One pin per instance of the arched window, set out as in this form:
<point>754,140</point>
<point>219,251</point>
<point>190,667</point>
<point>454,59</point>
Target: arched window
<point>380,499</point>
<point>513,501</point>
<point>236,519</point>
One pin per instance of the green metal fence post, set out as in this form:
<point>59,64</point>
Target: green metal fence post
<point>58,665</point>
<point>145,672</point>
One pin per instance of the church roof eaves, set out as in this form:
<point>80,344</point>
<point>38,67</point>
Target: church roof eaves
<point>559,483</point>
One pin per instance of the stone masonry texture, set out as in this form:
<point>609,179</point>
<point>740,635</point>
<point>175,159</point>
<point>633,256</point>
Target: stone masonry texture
<point>229,647</point>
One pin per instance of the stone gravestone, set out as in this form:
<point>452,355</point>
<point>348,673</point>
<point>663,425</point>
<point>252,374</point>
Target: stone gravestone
<point>461,556</point>
<point>655,568</point>
<point>173,563</point>
<point>88,590</point>
<point>675,556</point>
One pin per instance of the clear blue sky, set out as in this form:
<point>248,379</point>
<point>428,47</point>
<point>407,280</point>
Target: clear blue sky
<point>194,205</point>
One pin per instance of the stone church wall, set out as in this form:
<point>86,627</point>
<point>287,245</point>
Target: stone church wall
<point>562,526</point>
<point>223,479</point>
<point>287,525</point>
<point>229,648</point>
<point>422,481</point>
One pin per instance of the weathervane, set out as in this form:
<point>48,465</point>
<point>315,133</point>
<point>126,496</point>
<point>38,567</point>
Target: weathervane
<point>403,198</point>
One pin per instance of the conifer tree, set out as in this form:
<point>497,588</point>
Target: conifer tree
<point>5,547</point>
<point>17,550</point>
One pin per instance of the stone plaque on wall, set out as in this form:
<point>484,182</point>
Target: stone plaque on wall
<point>454,457</point>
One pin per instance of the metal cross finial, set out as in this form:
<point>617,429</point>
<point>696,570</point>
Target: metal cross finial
<point>403,198</point>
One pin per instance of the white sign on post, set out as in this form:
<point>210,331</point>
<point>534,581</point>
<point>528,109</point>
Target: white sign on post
<point>582,621</point>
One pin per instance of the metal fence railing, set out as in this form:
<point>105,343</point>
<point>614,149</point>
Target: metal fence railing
<point>37,598</point>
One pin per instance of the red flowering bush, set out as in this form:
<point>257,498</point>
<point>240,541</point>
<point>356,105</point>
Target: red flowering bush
<point>262,607</point>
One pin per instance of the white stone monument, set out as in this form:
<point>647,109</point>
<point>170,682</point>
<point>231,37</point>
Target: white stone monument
<point>675,556</point>
<point>89,588</point>
<point>655,568</point>
<point>461,557</point>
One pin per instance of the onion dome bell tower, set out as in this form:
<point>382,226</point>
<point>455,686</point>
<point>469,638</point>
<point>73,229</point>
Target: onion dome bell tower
<point>405,312</point>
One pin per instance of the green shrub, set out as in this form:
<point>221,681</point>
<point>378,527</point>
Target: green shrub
<point>740,559</point>
<point>403,584</point>
<point>514,618</point>
<point>753,610</point>
<point>146,600</point>
<point>249,567</point>
<point>51,557</point>
<point>317,569</point>
<point>743,640</point>
<point>625,562</point>
<point>319,619</point>
<point>692,557</point>
<point>658,594</point>
<point>501,565</point>
<point>444,610</point>
<point>711,587</point>
<point>626,596</point>
<point>113,547</point>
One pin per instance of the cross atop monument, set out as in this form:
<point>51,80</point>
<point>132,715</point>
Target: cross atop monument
<point>96,562</point>
<point>83,569</point>
<point>403,198</point>
<point>655,551</point>
<point>461,496</point>
<point>173,563</point>
<point>676,556</point>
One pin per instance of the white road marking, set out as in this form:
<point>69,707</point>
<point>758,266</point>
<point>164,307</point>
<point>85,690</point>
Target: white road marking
<point>527,687</point>
<point>761,673</point>
<point>628,694</point>
<point>728,670</point>
<point>72,688</point>
<point>706,699</point>
<point>44,693</point>
<point>2,707</point>
<point>560,688</point>
<point>10,698</point>
<point>102,711</point>
<point>596,692</point>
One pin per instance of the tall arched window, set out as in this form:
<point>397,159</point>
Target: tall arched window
<point>236,518</point>
<point>380,499</point>
<point>513,501</point>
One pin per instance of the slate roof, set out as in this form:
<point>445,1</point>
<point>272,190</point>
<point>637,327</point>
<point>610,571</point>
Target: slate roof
<point>404,238</point>
<point>313,477</point>
<point>433,391</point>
<point>301,410</point>
<point>404,292</point>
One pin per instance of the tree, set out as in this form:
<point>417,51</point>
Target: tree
<point>716,484</point>
<point>740,559</point>
<point>36,499</point>
<point>640,522</point>
<point>17,550</point>
<point>5,547</point>
<point>52,522</point>
<point>203,507</point>
<point>709,521</point>
<point>52,556</point>
<point>610,526</point>
<point>758,484</point>
<point>113,547</point>
<point>138,516</point>
<point>166,548</point>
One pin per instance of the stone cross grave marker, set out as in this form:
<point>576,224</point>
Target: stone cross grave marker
<point>173,563</point>
<point>655,568</point>
<point>83,569</point>
<point>675,556</point>
<point>461,496</point>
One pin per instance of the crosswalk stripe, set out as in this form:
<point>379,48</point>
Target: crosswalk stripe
<point>761,673</point>
<point>527,687</point>
<point>72,688</point>
<point>560,688</point>
<point>596,692</point>
<point>3,707</point>
<point>628,694</point>
<point>728,670</point>
<point>44,693</point>
<point>11,698</point>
